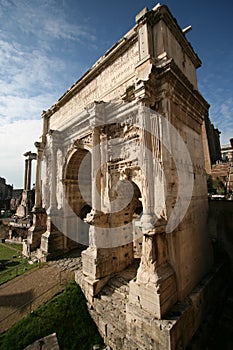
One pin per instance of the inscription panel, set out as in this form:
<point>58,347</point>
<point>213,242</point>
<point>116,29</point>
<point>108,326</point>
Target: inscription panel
<point>109,84</point>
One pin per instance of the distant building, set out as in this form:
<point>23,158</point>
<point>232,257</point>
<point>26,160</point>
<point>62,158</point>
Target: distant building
<point>223,171</point>
<point>17,193</point>
<point>16,198</point>
<point>213,141</point>
<point>5,194</point>
<point>227,152</point>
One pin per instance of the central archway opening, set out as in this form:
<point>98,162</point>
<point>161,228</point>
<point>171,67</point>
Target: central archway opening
<point>77,181</point>
<point>137,213</point>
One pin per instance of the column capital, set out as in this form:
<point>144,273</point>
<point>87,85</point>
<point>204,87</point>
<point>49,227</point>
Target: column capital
<point>54,138</point>
<point>39,146</point>
<point>30,155</point>
<point>96,111</point>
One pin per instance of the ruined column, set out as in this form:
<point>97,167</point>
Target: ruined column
<point>26,174</point>
<point>27,198</point>
<point>206,148</point>
<point>104,171</point>
<point>97,262</point>
<point>29,174</point>
<point>28,169</point>
<point>38,215</point>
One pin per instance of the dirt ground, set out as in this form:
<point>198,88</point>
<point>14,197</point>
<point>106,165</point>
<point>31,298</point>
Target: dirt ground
<point>27,292</point>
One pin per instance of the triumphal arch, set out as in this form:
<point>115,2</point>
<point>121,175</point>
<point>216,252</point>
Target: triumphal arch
<point>121,171</point>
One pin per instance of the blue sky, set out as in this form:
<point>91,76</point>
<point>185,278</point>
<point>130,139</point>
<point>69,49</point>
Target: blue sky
<point>46,45</point>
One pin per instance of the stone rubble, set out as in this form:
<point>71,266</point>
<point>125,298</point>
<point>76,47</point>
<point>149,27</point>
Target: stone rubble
<point>71,264</point>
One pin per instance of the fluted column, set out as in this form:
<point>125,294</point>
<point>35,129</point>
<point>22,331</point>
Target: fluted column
<point>53,175</point>
<point>96,164</point>
<point>104,170</point>
<point>148,218</point>
<point>38,176</point>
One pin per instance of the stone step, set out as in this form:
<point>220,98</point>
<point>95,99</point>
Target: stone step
<point>111,304</point>
<point>110,308</point>
<point>113,299</point>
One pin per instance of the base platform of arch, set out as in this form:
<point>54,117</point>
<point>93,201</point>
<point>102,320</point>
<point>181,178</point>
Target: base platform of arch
<point>178,330</point>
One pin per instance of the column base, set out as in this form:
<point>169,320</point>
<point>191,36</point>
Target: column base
<point>181,322</point>
<point>37,229</point>
<point>155,296</point>
<point>99,265</point>
<point>89,285</point>
<point>102,262</point>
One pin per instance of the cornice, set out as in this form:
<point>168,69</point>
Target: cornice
<point>162,13</point>
<point>170,67</point>
<point>171,74</point>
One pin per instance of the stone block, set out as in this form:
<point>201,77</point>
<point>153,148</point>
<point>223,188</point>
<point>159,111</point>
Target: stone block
<point>155,297</point>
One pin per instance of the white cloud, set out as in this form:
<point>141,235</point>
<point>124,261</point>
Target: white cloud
<point>226,109</point>
<point>46,20</point>
<point>58,28</point>
<point>32,75</point>
<point>23,70</point>
<point>226,136</point>
<point>16,107</point>
<point>16,139</point>
<point>221,102</point>
<point>222,116</point>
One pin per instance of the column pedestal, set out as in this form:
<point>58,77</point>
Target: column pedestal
<point>155,287</point>
<point>100,264</point>
<point>52,241</point>
<point>37,229</point>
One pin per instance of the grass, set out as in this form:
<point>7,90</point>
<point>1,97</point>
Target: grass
<point>12,263</point>
<point>66,314</point>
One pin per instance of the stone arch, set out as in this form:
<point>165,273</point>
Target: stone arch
<point>135,208</point>
<point>78,169</point>
<point>71,156</point>
<point>77,192</point>
<point>128,220</point>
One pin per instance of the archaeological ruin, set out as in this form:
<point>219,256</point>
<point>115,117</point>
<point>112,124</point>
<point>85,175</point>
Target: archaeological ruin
<point>121,171</point>
<point>5,194</point>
